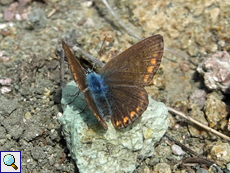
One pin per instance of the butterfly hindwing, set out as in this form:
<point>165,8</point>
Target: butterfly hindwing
<point>128,103</point>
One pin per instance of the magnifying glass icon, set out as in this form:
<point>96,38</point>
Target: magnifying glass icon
<point>9,161</point>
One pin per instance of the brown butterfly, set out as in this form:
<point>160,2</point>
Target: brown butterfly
<point>118,90</point>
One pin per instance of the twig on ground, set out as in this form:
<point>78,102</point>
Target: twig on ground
<point>178,54</point>
<point>198,160</point>
<point>52,12</point>
<point>128,30</point>
<point>198,123</point>
<point>88,56</point>
<point>184,147</point>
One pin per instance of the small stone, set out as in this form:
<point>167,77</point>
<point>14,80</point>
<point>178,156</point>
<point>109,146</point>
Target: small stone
<point>198,97</point>
<point>153,161</point>
<point>198,11</point>
<point>198,115</point>
<point>215,110</point>
<point>222,43</point>
<point>202,170</point>
<point>214,13</point>
<point>6,81</point>
<point>162,168</point>
<point>192,50</point>
<point>87,4</point>
<point>28,115</point>
<point>228,166</point>
<point>185,41</point>
<point>16,87</point>
<point>212,47</point>
<point>8,136</point>
<point>36,19</point>
<point>143,168</point>
<point>177,150</point>
<point>2,141</point>
<point>89,22</point>
<point>163,151</point>
<point>184,67</point>
<point>5,90</point>
<point>220,152</point>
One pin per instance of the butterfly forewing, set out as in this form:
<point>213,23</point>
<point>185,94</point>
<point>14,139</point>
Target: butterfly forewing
<point>80,78</point>
<point>127,74</point>
<point>76,68</point>
<point>93,108</point>
<point>136,65</point>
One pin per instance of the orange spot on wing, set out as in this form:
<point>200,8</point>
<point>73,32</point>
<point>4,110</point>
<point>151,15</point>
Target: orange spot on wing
<point>155,54</point>
<point>125,120</point>
<point>132,114</point>
<point>118,123</point>
<point>146,78</point>
<point>153,61</point>
<point>150,69</point>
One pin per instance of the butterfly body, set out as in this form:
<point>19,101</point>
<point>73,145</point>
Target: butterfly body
<point>117,91</point>
<point>99,92</point>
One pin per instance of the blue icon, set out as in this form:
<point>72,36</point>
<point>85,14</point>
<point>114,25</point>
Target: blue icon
<point>9,160</point>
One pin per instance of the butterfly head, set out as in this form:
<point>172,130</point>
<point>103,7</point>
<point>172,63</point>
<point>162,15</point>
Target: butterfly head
<point>88,71</point>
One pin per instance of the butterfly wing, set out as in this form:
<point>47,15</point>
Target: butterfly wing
<point>127,74</point>
<point>80,78</point>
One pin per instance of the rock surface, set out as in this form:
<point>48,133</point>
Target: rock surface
<point>97,150</point>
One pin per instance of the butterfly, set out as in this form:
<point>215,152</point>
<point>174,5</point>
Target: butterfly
<point>118,90</point>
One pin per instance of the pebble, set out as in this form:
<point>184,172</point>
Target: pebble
<point>215,110</point>
<point>162,167</point>
<point>215,70</point>
<point>177,150</point>
<point>28,115</point>
<point>220,152</point>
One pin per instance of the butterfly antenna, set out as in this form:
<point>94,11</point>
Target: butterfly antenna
<point>75,96</point>
<point>99,52</point>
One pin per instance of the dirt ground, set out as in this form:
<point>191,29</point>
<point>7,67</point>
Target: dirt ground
<point>30,33</point>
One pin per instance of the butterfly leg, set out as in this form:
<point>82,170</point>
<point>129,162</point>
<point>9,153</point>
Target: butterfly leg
<point>76,95</point>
